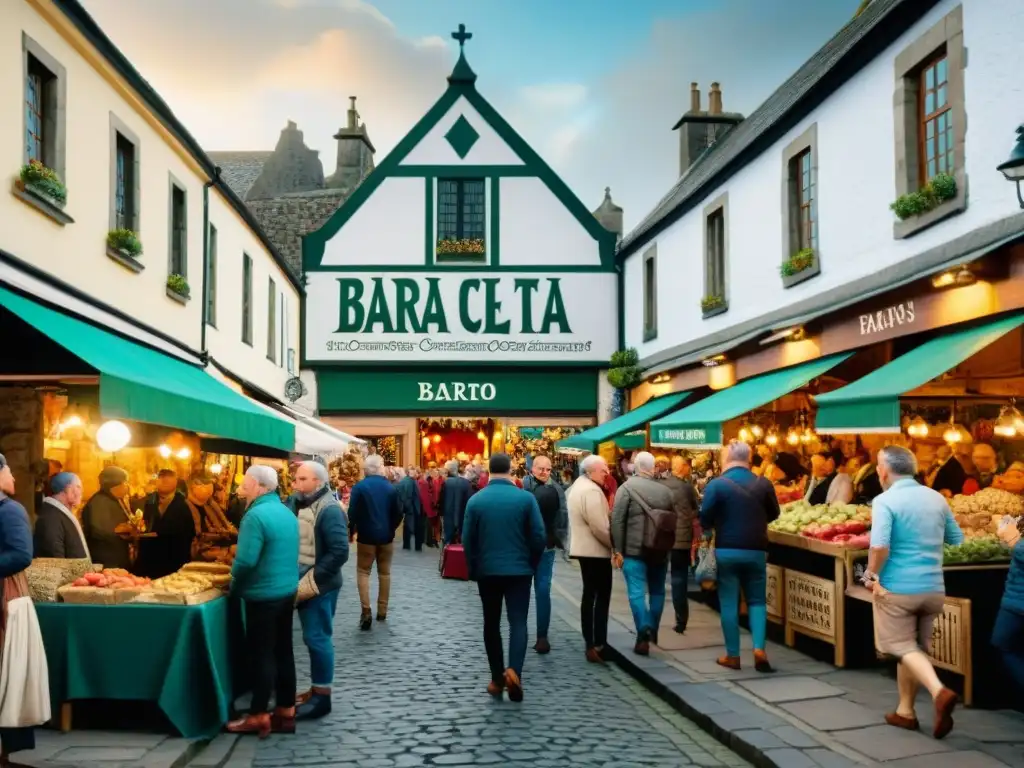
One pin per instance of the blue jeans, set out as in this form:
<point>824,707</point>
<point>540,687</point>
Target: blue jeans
<point>542,591</point>
<point>643,577</point>
<point>744,569</point>
<point>514,593</point>
<point>317,619</point>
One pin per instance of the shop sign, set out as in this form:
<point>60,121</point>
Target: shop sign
<point>459,316</point>
<point>891,317</point>
<point>774,595</point>
<point>680,436</point>
<point>811,604</point>
<point>438,392</point>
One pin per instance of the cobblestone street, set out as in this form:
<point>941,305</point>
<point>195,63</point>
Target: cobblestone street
<point>411,692</point>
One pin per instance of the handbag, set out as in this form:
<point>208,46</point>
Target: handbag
<point>307,588</point>
<point>707,564</point>
<point>24,676</point>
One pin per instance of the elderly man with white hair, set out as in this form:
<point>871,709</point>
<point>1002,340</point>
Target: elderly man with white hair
<point>590,544</point>
<point>738,506</point>
<point>264,575</point>
<point>638,503</point>
<point>323,550</point>
<point>374,516</point>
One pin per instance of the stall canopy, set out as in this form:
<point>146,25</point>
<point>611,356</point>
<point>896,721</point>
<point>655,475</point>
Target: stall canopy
<point>872,404</point>
<point>310,440</point>
<point>619,428</point>
<point>140,384</point>
<point>700,425</point>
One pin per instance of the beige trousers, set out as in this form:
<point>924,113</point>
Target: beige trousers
<point>366,556</point>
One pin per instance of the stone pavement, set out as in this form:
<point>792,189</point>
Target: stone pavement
<point>807,714</point>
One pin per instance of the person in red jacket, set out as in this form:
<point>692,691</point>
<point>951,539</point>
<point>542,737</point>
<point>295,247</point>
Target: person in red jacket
<point>610,487</point>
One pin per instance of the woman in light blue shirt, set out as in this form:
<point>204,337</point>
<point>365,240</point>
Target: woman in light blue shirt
<point>909,525</point>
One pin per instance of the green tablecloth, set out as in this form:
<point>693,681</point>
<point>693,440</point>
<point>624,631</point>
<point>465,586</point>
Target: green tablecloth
<point>175,656</point>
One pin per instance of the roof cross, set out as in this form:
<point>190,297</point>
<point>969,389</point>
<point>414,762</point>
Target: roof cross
<point>462,36</point>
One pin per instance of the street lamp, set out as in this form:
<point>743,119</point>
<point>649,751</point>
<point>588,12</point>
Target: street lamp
<point>1013,169</point>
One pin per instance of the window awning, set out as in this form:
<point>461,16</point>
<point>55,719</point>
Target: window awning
<point>872,404</point>
<point>700,425</point>
<point>620,425</point>
<point>309,439</point>
<point>140,384</point>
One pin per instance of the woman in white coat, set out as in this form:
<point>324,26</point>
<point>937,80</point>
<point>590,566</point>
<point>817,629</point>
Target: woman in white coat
<point>590,543</point>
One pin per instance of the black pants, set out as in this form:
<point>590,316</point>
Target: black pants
<point>514,593</point>
<point>413,529</point>
<point>268,629</point>
<point>680,561</point>
<point>597,596</point>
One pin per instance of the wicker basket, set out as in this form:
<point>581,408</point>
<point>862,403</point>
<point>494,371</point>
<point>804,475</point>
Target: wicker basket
<point>48,574</point>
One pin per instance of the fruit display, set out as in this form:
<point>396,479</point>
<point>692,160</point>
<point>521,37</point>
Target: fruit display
<point>978,515</point>
<point>980,549</point>
<point>183,583</point>
<point>844,524</point>
<point>788,493</point>
<point>111,578</point>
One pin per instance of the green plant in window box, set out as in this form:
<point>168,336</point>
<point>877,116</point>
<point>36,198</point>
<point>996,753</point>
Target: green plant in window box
<point>459,246</point>
<point>709,303</point>
<point>798,262</point>
<point>45,182</point>
<point>937,191</point>
<point>624,369</point>
<point>179,285</point>
<point>125,241</point>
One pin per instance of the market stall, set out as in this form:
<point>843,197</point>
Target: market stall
<point>628,431</point>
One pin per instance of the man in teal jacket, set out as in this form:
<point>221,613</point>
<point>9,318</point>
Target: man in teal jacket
<point>504,538</point>
<point>265,575</point>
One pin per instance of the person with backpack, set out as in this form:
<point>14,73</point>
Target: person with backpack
<point>553,508</point>
<point>738,505</point>
<point>643,536</point>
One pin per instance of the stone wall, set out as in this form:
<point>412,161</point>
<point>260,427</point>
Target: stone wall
<point>21,439</point>
<point>287,218</point>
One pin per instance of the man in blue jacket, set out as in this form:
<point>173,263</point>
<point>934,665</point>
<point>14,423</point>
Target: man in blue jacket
<point>553,508</point>
<point>323,550</point>
<point>504,538</point>
<point>375,515</point>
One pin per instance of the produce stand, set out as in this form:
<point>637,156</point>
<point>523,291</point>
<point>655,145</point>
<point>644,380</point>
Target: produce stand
<point>813,576</point>
<point>175,656</point>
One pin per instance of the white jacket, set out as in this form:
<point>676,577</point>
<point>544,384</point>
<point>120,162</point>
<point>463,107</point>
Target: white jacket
<point>589,520</point>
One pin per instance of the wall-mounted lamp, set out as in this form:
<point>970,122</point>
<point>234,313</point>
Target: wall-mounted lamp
<point>1013,168</point>
<point>959,276</point>
<point>661,378</point>
<point>796,333</point>
<point>711,362</point>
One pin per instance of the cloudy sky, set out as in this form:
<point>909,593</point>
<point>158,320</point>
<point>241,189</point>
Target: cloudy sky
<point>594,85</point>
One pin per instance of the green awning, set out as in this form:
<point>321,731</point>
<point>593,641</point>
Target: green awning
<point>872,404</point>
<point>620,425</point>
<point>700,425</point>
<point>632,441</point>
<point>141,384</point>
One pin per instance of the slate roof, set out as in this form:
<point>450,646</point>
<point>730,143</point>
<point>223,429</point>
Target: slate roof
<point>240,169</point>
<point>839,60</point>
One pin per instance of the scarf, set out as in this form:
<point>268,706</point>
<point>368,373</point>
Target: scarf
<point>303,500</point>
<point>70,515</point>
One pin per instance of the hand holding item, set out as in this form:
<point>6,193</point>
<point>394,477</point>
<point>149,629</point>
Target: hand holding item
<point>617,561</point>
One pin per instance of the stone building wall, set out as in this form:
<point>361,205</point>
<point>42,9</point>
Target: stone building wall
<point>21,439</point>
<point>287,218</point>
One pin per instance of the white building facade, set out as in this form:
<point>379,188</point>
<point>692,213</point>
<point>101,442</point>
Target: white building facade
<point>873,166</point>
<point>113,212</point>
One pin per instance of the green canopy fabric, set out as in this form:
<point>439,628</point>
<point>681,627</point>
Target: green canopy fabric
<point>141,384</point>
<point>872,404</point>
<point>632,441</point>
<point>620,425</point>
<point>700,425</point>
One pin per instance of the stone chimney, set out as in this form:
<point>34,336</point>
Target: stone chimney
<point>698,129</point>
<point>355,152</point>
<point>293,167</point>
<point>609,215</point>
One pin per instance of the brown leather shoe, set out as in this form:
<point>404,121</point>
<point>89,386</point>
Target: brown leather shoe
<point>761,662</point>
<point>258,724</point>
<point>729,662</point>
<point>542,646</point>
<point>642,648</point>
<point>594,656</point>
<point>513,685</point>
<point>899,721</point>
<point>945,703</point>
<point>283,720</point>
<point>302,698</point>
<point>496,689</point>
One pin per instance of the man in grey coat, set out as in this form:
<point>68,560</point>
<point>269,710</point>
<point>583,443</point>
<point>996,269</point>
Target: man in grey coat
<point>455,495</point>
<point>645,571</point>
<point>675,475</point>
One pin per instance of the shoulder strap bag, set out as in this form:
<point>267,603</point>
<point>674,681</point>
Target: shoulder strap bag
<point>659,525</point>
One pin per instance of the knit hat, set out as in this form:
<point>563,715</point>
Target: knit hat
<point>61,481</point>
<point>112,476</point>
